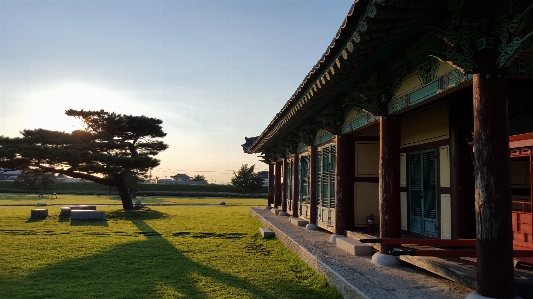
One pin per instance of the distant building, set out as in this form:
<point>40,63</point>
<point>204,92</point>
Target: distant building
<point>174,182</point>
<point>65,179</point>
<point>181,177</point>
<point>8,175</point>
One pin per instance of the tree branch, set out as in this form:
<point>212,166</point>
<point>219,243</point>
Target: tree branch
<point>78,175</point>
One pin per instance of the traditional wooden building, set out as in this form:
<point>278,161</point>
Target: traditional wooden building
<point>407,116</point>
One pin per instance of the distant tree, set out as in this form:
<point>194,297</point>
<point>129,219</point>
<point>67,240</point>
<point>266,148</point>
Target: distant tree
<point>30,180</point>
<point>113,150</point>
<point>198,177</point>
<point>246,179</point>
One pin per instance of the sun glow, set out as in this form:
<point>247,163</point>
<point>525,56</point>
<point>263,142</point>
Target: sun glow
<point>46,108</point>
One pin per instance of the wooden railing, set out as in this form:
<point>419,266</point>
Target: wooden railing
<point>522,221</point>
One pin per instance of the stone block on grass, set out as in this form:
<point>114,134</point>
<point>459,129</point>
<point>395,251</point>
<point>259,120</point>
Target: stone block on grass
<point>87,215</point>
<point>266,233</point>
<point>65,212</point>
<point>82,207</point>
<point>78,207</point>
<point>39,213</point>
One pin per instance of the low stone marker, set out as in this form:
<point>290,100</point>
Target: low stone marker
<point>87,215</point>
<point>39,213</point>
<point>266,233</point>
<point>65,211</point>
<point>82,207</point>
<point>298,221</point>
<point>353,246</point>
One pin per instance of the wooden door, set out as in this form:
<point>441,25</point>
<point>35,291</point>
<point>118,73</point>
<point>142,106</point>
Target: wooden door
<point>326,186</point>
<point>423,192</point>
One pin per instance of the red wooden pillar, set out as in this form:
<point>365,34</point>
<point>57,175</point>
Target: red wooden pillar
<point>296,185</point>
<point>462,166</point>
<point>530,179</point>
<point>313,198</point>
<point>494,236</point>
<point>278,193</point>
<point>344,185</point>
<point>285,186</point>
<point>389,178</point>
<point>271,184</point>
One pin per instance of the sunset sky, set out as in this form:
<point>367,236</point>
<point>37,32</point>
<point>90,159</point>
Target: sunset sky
<point>213,71</point>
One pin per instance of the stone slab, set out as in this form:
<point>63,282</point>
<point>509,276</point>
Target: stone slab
<point>451,271</point>
<point>65,211</point>
<point>298,221</point>
<point>266,233</point>
<point>354,247</point>
<point>39,213</point>
<point>87,215</point>
<point>82,207</point>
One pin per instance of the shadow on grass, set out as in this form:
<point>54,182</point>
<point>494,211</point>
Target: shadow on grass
<point>142,214</point>
<point>150,268</point>
<point>32,220</point>
<point>88,223</point>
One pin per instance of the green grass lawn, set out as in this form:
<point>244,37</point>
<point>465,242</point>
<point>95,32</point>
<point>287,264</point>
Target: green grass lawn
<point>72,199</point>
<point>186,251</point>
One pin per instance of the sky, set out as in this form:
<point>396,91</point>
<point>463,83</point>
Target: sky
<point>214,71</point>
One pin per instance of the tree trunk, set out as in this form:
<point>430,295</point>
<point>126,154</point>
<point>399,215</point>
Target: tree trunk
<point>125,196</point>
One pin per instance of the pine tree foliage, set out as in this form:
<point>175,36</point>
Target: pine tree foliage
<point>113,150</point>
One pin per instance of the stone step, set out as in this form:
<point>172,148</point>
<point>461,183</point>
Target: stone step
<point>275,211</point>
<point>353,246</point>
<point>298,221</point>
<point>266,233</point>
<point>87,215</point>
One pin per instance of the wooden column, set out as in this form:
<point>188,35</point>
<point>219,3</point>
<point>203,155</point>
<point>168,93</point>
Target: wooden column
<point>494,236</point>
<point>389,178</point>
<point>462,166</point>
<point>271,184</point>
<point>531,177</point>
<point>344,184</point>
<point>296,185</point>
<point>313,199</point>
<point>278,193</point>
<point>285,186</point>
